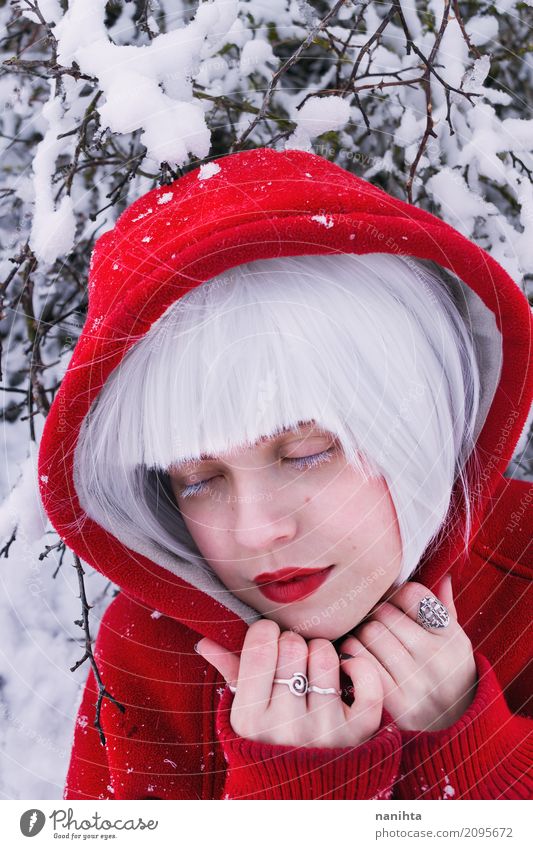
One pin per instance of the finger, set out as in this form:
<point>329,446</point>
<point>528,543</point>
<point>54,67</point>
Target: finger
<point>388,650</point>
<point>409,633</point>
<point>258,661</point>
<point>367,706</point>
<point>225,661</point>
<point>323,670</point>
<point>292,660</point>
<point>352,646</point>
<point>409,597</point>
<point>445,593</point>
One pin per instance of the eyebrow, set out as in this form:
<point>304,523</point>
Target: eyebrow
<point>275,437</point>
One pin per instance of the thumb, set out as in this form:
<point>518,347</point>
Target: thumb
<point>225,661</point>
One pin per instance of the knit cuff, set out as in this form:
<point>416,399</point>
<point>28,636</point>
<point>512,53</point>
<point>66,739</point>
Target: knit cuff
<point>257,770</point>
<point>486,754</point>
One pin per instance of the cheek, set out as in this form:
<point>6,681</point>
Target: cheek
<point>197,523</point>
<point>363,512</point>
<point>211,542</point>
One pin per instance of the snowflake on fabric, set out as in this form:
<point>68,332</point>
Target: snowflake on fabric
<point>143,215</point>
<point>449,791</point>
<point>386,793</point>
<point>323,219</point>
<point>165,198</point>
<point>208,170</point>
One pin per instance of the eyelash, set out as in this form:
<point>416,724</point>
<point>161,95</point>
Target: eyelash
<point>308,462</point>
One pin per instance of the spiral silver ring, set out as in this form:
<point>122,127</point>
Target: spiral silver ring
<point>299,685</point>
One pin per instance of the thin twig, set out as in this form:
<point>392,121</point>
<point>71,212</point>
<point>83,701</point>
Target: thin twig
<point>11,540</point>
<point>237,145</point>
<point>83,623</point>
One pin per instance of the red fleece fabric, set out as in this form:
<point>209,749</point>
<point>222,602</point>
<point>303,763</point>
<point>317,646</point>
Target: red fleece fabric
<point>175,740</point>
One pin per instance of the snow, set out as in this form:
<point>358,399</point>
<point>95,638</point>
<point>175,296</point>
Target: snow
<point>23,507</point>
<point>256,55</point>
<point>142,215</point>
<point>208,170</point>
<point>53,228</point>
<point>39,643</point>
<point>166,197</point>
<point>453,193</point>
<point>148,87</point>
<point>50,10</point>
<point>327,221</point>
<point>96,323</point>
<point>318,115</point>
<point>449,791</point>
<point>484,142</point>
<point>481,29</point>
<point>40,696</point>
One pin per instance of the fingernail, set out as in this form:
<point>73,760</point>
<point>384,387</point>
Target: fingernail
<point>345,656</point>
<point>196,647</point>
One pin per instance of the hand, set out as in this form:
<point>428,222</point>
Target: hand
<point>428,677</point>
<point>270,713</point>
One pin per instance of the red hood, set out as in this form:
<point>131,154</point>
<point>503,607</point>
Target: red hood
<point>263,204</point>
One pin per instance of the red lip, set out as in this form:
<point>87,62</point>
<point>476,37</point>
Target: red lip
<point>288,590</point>
<point>287,574</point>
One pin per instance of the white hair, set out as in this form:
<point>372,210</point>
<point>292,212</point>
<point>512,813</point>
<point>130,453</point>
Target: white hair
<point>371,347</point>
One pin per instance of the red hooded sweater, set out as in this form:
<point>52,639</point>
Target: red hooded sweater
<point>175,740</point>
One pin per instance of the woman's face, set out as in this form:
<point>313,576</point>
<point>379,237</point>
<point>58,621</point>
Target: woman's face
<point>293,502</point>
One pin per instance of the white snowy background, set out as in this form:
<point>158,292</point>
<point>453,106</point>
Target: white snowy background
<point>152,89</point>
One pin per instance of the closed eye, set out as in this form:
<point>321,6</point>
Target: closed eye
<point>300,463</point>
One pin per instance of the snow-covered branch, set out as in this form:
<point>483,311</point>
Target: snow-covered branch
<point>102,100</point>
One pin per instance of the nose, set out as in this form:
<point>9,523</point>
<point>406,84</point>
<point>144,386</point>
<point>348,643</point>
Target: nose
<point>261,519</point>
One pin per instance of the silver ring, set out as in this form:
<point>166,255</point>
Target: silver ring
<point>432,613</point>
<point>299,685</point>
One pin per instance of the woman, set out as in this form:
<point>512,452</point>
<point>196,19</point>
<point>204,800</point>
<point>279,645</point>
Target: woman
<point>286,369</point>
